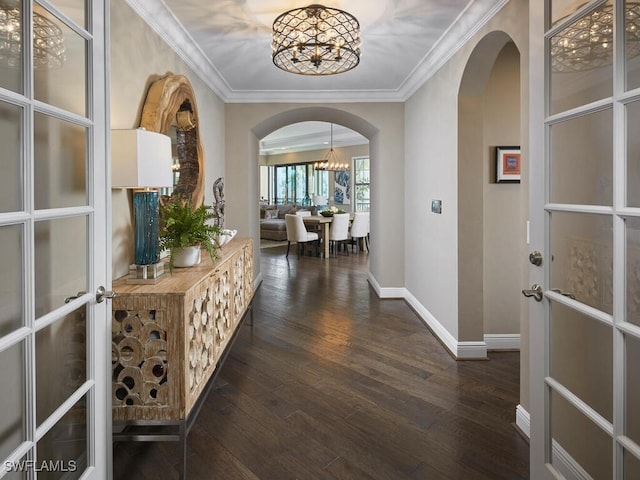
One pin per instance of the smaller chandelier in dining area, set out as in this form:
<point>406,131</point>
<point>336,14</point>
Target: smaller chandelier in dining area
<point>331,166</point>
<point>316,40</point>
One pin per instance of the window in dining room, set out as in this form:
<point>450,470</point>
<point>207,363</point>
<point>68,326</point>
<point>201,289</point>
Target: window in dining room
<point>361,175</point>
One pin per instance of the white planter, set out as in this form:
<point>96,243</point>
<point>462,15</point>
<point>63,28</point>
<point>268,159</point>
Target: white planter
<point>225,236</point>
<point>186,257</point>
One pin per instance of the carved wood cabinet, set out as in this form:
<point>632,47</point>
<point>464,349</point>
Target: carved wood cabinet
<point>168,338</point>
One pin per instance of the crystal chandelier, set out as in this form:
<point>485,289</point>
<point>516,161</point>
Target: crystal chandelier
<point>331,161</point>
<point>587,44</point>
<point>316,40</point>
<point>48,40</point>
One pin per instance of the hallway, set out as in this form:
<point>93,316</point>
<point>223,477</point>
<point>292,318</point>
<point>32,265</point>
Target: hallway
<point>333,383</point>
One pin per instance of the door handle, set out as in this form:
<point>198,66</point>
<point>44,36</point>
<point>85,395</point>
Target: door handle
<point>566,294</point>
<point>102,293</point>
<point>73,297</point>
<point>535,292</point>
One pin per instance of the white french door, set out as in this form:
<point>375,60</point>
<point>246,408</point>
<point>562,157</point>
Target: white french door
<point>54,334</point>
<point>585,221</point>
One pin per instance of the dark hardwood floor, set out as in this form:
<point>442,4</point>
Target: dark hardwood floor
<point>333,383</point>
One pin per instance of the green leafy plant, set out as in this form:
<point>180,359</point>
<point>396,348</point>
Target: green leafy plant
<point>183,226</point>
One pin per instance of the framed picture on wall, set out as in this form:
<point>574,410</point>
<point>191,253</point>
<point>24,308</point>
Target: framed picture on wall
<point>508,164</point>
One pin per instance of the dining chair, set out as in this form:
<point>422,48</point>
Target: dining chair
<point>297,233</point>
<point>360,229</point>
<point>339,230</point>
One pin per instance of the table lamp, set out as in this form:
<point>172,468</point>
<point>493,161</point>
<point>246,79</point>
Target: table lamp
<point>141,160</point>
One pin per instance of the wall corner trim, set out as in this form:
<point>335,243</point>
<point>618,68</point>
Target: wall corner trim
<point>500,341</point>
<point>459,350</point>
<point>523,420</point>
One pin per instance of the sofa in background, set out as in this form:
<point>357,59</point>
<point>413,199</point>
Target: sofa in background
<point>272,223</point>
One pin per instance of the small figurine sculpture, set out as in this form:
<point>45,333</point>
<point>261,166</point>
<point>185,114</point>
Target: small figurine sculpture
<point>218,205</point>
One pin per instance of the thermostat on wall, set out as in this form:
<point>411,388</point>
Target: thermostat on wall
<point>436,206</point>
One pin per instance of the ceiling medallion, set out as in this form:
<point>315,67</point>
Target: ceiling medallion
<point>316,40</point>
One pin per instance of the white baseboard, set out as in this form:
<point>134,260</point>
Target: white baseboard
<point>502,341</point>
<point>562,461</point>
<point>398,292</point>
<point>523,420</point>
<point>460,350</point>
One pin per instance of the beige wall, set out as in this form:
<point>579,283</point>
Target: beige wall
<point>132,69</point>
<point>381,123</point>
<point>432,149</point>
<point>504,220</point>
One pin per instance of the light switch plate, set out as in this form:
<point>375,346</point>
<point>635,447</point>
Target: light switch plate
<point>436,206</point>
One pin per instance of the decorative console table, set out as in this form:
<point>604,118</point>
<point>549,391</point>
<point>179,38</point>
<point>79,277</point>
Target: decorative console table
<point>169,340</point>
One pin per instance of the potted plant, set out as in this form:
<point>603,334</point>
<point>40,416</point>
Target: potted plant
<point>184,230</point>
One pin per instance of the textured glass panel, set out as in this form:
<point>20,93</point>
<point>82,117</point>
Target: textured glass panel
<point>65,73</point>
<point>584,442</point>
<point>11,51</point>
<point>60,152</point>
<point>582,357</point>
<point>64,447</point>
<point>581,60</point>
<point>12,418</point>
<point>582,260</point>
<point>633,270</point>
<point>632,426</point>
<point>582,172</point>
<point>11,158</point>
<point>632,43</point>
<point>633,155</point>
<point>61,261</point>
<point>12,279</point>
<point>61,364</point>
<point>631,467</point>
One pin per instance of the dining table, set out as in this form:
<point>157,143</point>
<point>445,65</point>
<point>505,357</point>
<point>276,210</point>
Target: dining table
<point>324,223</point>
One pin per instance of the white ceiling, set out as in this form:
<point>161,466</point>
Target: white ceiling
<point>228,44</point>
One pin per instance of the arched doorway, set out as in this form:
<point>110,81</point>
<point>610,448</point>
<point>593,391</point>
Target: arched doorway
<point>491,220</point>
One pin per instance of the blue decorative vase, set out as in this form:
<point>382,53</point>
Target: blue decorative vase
<point>145,209</point>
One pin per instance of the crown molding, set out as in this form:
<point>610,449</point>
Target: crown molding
<point>466,25</point>
<point>158,16</point>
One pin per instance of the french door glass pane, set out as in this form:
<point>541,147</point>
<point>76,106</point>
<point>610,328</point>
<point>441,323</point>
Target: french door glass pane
<point>582,172</point>
<point>633,155</point>
<point>585,368</point>
<point>65,445</point>
<point>61,363</point>
<point>12,419</point>
<point>631,467</point>
<point>581,61</point>
<point>633,270</point>
<point>60,150</point>
<point>59,84</point>
<point>632,43</point>
<point>632,426</point>
<point>587,444</point>
<point>582,260</point>
<point>11,51</point>
<point>11,158</point>
<point>281,185</point>
<point>12,279</point>
<point>60,261</point>
<point>74,9</point>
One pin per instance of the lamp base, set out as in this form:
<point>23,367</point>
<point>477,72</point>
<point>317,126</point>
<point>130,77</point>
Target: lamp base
<point>143,274</point>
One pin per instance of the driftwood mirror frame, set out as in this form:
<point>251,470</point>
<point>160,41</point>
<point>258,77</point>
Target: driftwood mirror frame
<point>166,97</point>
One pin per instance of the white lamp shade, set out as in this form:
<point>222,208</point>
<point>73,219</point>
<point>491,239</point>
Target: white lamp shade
<point>140,159</point>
